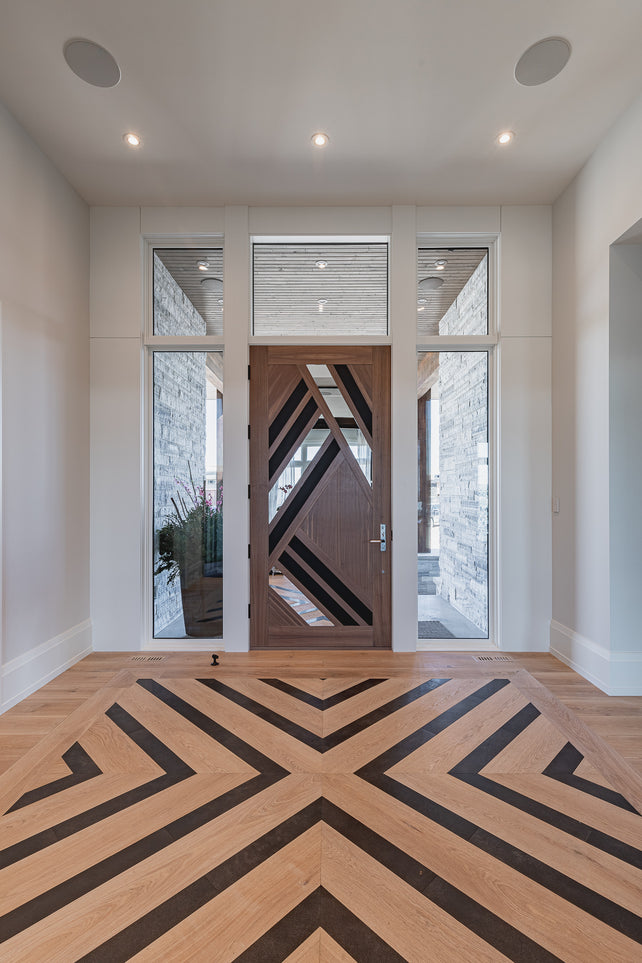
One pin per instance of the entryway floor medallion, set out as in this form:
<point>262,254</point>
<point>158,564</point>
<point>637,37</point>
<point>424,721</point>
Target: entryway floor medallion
<point>370,819</point>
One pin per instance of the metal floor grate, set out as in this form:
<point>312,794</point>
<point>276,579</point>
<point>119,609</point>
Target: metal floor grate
<point>492,658</point>
<point>147,658</point>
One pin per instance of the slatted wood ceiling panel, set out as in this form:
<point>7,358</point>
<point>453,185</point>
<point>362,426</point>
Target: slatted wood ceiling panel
<point>182,264</point>
<point>462,263</point>
<point>288,286</point>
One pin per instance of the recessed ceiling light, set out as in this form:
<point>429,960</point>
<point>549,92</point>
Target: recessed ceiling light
<point>220,301</point>
<point>441,263</point>
<point>321,264</point>
<point>422,300</point>
<point>91,62</point>
<point>320,139</point>
<point>132,139</point>
<point>202,265</point>
<point>505,137</point>
<point>543,61</point>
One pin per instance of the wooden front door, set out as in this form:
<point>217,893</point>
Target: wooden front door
<point>320,497</point>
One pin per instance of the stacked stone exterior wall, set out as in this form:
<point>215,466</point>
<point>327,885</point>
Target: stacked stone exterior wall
<point>463,458</point>
<point>180,394</point>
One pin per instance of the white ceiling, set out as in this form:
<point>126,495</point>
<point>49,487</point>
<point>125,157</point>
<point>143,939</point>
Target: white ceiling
<point>226,94</point>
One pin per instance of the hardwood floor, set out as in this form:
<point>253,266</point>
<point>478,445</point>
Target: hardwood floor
<point>321,807</point>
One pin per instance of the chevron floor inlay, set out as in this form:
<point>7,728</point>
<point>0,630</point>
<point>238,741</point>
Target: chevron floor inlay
<point>368,819</point>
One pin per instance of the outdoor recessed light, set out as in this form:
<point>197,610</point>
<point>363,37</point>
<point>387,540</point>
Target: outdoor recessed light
<point>320,139</point>
<point>321,264</point>
<point>505,137</point>
<point>202,265</point>
<point>421,301</point>
<point>132,139</point>
<point>441,263</point>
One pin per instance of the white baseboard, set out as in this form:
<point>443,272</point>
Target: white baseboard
<point>27,673</point>
<point>616,673</point>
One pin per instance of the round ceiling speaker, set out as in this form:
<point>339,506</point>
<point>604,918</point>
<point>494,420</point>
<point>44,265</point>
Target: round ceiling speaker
<point>543,61</point>
<point>430,284</point>
<point>92,63</point>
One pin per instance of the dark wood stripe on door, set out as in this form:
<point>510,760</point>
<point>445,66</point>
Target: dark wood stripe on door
<point>297,501</point>
<point>283,416</point>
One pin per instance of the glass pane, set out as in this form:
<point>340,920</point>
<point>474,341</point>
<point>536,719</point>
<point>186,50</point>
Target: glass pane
<point>295,598</point>
<point>341,410</point>
<point>290,475</point>
<point>452,497</point>
<point>320,289</point>
<point>188,494</point>
<point>452,291</point>
<point>188,291</point>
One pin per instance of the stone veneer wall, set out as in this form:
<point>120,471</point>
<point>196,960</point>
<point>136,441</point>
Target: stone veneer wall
<point>180,394</point>
<point>463,458</point>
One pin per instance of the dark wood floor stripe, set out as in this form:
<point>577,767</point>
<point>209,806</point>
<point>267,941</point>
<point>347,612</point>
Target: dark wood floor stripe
<point>82,768</point>
<point>174,910</point>
<point>433,728</point>
<point>569,889</point>
<point>315,701</point>
<point>175,771</point>
<point>491,928</point>
<point>320,909</point>
<point>243,750</point>
<point>323,743</point>
<point>467,911</point>
<point>58,896</point>
<point>486,751</point>
<point>151,745</point>
<point>567,824</point>
<point>563,768</point>
<point>468,771</point>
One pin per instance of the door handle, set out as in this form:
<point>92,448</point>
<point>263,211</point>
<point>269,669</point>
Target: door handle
<point>380,541</point>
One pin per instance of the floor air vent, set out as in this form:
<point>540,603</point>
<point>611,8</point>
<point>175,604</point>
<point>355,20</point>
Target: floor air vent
<point>492,658</point>
<point>147,658</point>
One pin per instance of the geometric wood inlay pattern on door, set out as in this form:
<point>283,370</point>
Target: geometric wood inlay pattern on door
<point>320,497</point>
<point>336,819</point>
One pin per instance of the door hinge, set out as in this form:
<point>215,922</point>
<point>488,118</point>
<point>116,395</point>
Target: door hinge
<point>249,607</point>
<point>248,491</point>
<point>248,432</point>
<point>249,554</point>
<point>248,372</point>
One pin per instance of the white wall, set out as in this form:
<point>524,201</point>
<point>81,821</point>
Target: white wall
<point>44,271</point>
<point>523,509</point>
<point>601,204</point>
